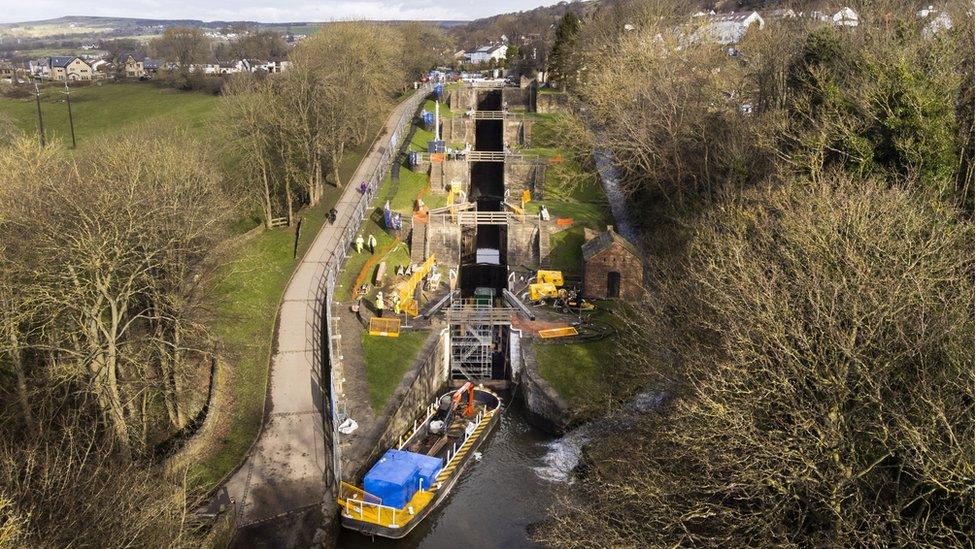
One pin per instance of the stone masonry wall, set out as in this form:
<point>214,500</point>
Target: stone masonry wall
<point>457,173</point>
<point>463,100</point>
<point>458,129</point>
<point>444,241</point>
<point>525,175</point>
<point>549,103</point>
<point>523,245</point>
<point>516,99</point>
<point>546,409</point>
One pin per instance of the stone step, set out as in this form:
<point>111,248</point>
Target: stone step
<point>418,240</point>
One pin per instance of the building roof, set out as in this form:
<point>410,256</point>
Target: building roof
<point>734,17</point>
<point>604,240</point>
<point>62,61</point>
<point>126,54</point>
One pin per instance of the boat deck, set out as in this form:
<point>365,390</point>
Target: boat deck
<point>453,447</point>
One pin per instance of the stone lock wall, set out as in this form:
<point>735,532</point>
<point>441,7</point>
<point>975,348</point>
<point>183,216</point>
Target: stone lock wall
<point>458,129</point>
<point>525,175</point>
<point>444,241</point>
<point>546,408</point>
<point>516,99</point>
<point>549,103</point>
<point>463,100</point>
<point>457,173</point>
<point>523,243</point>
<point>512,131</point>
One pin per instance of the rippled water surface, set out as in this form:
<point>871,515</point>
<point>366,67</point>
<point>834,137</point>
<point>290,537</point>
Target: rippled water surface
<point>496,499</point>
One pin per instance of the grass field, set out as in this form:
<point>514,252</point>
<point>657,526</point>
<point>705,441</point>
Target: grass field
<point>387,360</point>
<point>99,109</point>
<point>578,371</point>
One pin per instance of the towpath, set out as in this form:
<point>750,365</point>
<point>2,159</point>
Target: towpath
<point>287,470</point>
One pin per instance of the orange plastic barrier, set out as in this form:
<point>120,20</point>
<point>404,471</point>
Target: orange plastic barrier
<point>558,332</point>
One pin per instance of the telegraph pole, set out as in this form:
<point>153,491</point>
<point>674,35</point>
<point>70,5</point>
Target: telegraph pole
<point>71,120</point>
<point>40,119</point>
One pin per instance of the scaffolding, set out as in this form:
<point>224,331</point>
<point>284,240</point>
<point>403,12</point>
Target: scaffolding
<point>473,327</point>
<point>471,351</point>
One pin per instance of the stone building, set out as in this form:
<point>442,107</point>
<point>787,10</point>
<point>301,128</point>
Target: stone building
<point>612,266</point>
<point>70,68</point>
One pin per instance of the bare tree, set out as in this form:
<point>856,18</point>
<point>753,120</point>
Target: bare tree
<point>184,47</point>
<point>822,381</point>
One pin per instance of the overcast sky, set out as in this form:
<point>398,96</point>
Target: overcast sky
<point>270,11</point>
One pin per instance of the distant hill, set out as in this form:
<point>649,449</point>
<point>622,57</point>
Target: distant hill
<point>538,23</point>
<point>83,25</point>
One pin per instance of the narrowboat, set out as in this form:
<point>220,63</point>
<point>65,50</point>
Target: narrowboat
<point>410,480</point>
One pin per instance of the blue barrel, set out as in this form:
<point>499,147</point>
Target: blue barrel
<point>439,90</point>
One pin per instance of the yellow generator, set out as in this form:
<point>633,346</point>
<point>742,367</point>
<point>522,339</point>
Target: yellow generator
<point>545,290</point>
<point>549,277</point>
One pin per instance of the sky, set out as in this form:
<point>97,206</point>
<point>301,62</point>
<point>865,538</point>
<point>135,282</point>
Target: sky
<point>270,11</point>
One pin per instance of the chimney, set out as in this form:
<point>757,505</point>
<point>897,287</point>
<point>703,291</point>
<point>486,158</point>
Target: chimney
<point>609,228</point>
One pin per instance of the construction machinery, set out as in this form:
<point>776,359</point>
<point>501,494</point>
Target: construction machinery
<point>549,277</point>
<point>546,285</point>
<point>539,292</point>
<point>406,288</point>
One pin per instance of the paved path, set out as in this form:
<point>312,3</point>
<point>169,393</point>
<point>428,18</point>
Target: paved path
<point>288,466</point>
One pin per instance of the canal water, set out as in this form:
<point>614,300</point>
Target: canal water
<point>495,500</point>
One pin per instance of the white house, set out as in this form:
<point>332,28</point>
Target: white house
<point>782,13</point>
<point>278,65</point>
<point>231,67</point>
<point>846,17</point>
<point>39,68</point>
<point>729,28</point>
<point>936,20</point>
<point>485,54</point>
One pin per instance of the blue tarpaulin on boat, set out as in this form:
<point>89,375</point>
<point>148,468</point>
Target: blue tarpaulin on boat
<point>398,475</point>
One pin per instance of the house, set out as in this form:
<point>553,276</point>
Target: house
<point>486,54</point>
<point>612,266</point>
<point>230,67</point>
<point>40,68</point>
<point>100,66</point>
<point>846,17</point>
<point>11,73</point>
<point>69,68</point>
<point>151,66</point>
<point>255,65</point>
<point>781,13</point>
<point>936,20</point>
<point>729,28</point>
<point>131,65</point>
<point>278,65</point>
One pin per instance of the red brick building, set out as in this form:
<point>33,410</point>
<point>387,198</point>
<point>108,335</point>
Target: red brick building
<point>612,266</point>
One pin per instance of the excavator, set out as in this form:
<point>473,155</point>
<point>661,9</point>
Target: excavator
<point>448,406</point>
<point>406,288</point>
